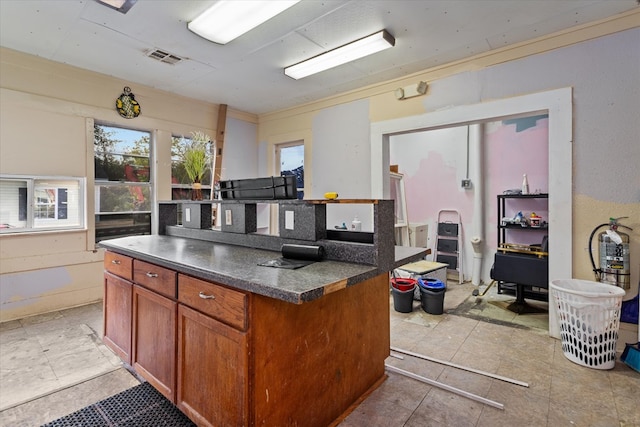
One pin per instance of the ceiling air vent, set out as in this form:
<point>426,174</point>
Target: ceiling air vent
<point>162,56</point>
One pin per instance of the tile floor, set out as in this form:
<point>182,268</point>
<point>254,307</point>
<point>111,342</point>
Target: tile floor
<point>55,364</point>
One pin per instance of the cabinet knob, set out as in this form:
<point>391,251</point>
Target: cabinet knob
<point>205,296</point>
<point>150,274</point>
<point>115,261</point>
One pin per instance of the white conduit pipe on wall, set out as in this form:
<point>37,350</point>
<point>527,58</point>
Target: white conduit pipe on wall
<point>475,150</point>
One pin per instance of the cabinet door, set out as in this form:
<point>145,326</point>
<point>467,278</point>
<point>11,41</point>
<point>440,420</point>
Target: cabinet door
<point>154,340</point>
<point>117,316</point>
<point>213,385</point>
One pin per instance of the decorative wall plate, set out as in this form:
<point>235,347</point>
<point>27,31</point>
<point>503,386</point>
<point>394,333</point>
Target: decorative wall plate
<point>127,105</point>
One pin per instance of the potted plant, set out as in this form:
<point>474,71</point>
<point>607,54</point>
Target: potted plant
<point>196,161</point>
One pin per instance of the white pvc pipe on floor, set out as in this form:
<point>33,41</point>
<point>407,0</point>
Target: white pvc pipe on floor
<point>445,387</point>
<point>454,365</point>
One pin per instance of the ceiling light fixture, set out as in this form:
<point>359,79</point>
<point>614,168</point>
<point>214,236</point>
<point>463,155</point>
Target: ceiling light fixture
<point>228,19</point>
<point>122,6</point>
<point>341,55</point>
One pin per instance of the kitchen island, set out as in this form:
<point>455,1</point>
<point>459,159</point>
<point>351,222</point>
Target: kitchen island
<point>232,343</point>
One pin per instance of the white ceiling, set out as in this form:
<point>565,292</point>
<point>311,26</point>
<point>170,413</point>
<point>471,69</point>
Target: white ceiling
<point>247,74</point>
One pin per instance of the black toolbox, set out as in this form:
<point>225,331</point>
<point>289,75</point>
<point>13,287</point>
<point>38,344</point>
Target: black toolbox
<point>274,187</point>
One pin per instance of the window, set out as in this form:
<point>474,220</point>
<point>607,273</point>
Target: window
<point>181,186</point>
<point>123,184</point>
<point>290,158</point>
<point>41,203</point>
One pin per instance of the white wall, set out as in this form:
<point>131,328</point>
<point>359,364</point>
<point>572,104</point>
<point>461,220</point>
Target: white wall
<point>433,164</point>
<point>595,160</point>
<point>495,156</point>
<point>341,153</point>
<point>605,180</point>
<point>240,152</point>
<point>46,128</point>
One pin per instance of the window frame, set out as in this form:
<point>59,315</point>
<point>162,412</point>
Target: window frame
<point>100,183</point>
<point>40,225</point>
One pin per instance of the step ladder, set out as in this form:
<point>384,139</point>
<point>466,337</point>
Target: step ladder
<point>449,240</point>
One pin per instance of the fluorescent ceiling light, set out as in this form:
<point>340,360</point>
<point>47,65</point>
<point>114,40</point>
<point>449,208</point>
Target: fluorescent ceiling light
<point>347,53</point>
<point>228,19</point>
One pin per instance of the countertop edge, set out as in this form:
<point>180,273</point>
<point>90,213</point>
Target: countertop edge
<point>403,255</point>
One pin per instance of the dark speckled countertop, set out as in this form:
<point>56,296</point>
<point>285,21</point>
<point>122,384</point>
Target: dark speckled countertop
<point>237,266</point>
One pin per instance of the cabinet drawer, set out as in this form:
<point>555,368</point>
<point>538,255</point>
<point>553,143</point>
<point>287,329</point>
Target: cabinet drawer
<point>221,303</point>
<point>117,264</point>
<point>158,279</point>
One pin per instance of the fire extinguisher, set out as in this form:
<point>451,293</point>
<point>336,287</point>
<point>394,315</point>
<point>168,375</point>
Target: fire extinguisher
<point>613,253</point>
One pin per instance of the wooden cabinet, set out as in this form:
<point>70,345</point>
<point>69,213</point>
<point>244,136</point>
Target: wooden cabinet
<point>213,355</point>
<point>140,314</point>
<point>154,326</point>
<point>311,362</point>
<point>228,357</point>
<point>117,304</point>
<point>213,370</point>
<point>117,316</point>
<point>186,337</point>
<point>154,339</point>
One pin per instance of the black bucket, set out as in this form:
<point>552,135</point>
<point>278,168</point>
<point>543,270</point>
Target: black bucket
<point>432,301</point>
<point>402,300</point>
<point>432,296</point>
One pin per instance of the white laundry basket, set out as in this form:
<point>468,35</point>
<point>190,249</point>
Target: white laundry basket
<point>589,315</point>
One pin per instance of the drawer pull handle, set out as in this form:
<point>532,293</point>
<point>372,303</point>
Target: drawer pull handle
<point>205,296</point>
<point>150,274</point>
<point>115,261</point>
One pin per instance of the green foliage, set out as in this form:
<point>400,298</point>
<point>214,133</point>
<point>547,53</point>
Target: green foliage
<point>103,140</point>
<point>141,148</point>
<point>195,156</point>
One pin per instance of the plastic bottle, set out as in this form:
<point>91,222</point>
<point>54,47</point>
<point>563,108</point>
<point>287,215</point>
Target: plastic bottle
<point>525,184</point>
<point>356,225</point>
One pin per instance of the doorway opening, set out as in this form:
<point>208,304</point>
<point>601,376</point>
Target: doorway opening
<point>558,105</point>
<point>290,161</point>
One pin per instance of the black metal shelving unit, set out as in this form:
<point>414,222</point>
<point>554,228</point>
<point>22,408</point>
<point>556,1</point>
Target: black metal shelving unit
<point>521,270</point>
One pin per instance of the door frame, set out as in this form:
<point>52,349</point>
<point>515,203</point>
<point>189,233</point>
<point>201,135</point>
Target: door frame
<point>558,105</point>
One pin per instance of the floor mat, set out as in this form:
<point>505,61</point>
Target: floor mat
<point>141,405</point>
<point>495,308</point>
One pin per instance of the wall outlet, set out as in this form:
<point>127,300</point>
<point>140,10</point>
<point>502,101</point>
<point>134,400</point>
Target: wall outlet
<point>466,183</point>
<point>288,220</point>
